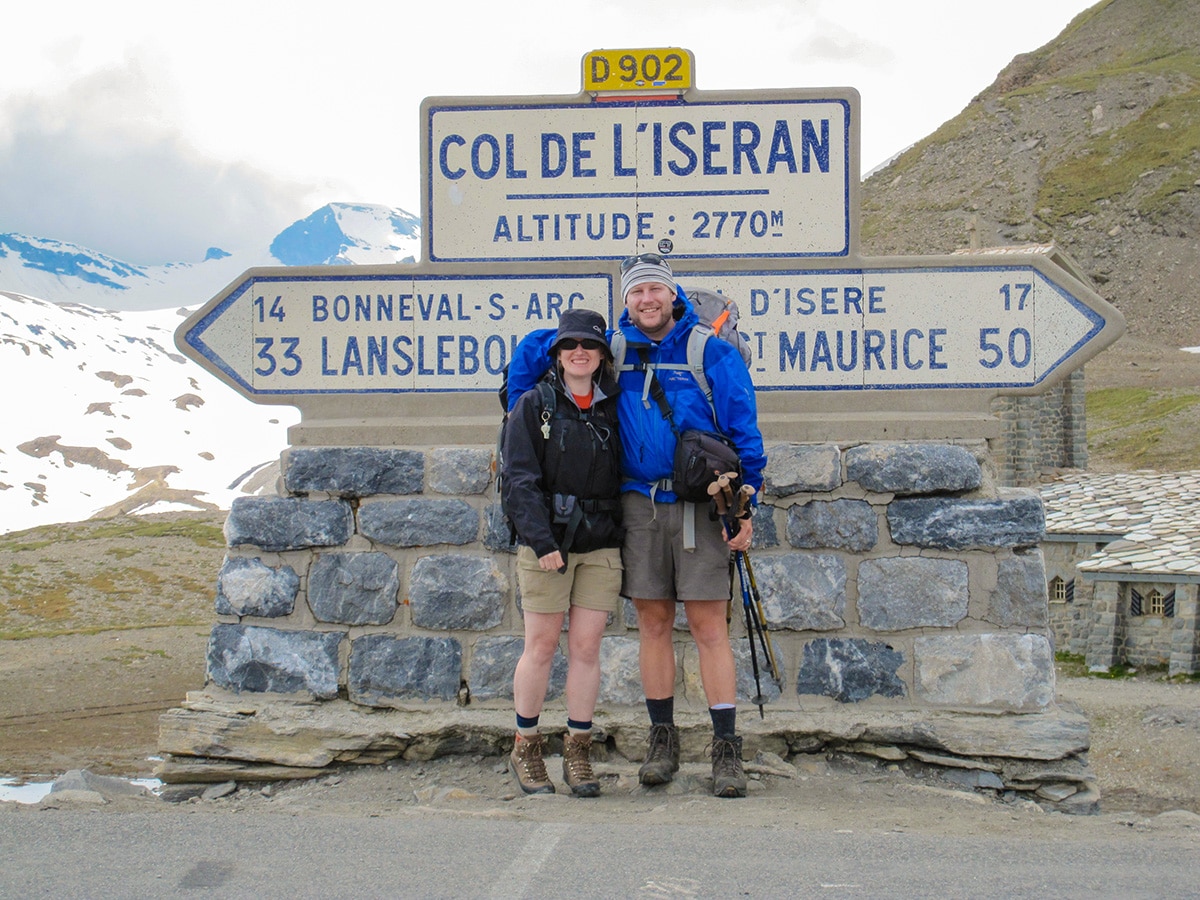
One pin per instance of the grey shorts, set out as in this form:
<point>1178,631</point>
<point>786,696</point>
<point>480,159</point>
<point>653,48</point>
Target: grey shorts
<point>592,581</point>
<point>656,565</point>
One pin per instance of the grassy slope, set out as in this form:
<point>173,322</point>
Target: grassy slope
<point>110,574</point>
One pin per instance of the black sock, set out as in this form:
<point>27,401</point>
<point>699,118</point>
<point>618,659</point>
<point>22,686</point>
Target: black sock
<point>662,712</point>
<point>527,722</point>
<point>724,723</point>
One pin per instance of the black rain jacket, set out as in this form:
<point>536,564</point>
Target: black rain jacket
<point>563,492</point>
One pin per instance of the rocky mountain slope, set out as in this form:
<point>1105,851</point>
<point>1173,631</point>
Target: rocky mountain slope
<point>1093,142</point>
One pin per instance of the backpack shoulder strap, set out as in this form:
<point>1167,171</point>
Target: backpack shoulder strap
<point>697,341</point>
<point>616,343</point>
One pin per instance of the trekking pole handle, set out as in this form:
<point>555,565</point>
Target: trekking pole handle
<point>720,498</point>
<point>741,505</point>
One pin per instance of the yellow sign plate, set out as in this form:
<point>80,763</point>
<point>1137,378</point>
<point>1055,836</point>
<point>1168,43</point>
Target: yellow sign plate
<point>629,71</point>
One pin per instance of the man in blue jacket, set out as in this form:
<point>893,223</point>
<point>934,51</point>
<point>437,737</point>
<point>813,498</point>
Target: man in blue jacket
<point>661,569</point>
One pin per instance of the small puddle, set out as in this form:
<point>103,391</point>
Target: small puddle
<point>14,790</point>
<point>17,792</point>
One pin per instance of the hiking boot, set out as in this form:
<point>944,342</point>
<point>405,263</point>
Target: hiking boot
<point>577,766</point>
<point>662,757</point>
<point>729,779</point>
<point>528,766</point>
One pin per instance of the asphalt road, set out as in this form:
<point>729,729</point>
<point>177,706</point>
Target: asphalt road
<point>68,853</point>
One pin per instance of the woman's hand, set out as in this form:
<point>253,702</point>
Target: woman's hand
<point>552,561</point>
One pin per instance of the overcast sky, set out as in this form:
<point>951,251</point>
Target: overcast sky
<point>151,131</point>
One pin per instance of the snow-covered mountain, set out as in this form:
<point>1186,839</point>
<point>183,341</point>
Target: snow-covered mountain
<point>101,414</point>
<point>336,234</point>
<point>349,234</point>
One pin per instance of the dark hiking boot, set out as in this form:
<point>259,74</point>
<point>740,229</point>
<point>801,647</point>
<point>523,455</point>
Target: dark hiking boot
<point>662,757</point>
<point>528,766</point>
<point>729,778</point>
<point>577,766</point>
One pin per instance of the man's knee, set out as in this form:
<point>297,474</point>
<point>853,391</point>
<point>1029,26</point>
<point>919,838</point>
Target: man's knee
<point>707,623</point>
<point>655,617</point>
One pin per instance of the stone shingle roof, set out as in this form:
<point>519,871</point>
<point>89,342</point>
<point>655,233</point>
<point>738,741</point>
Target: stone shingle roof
<point>1152,520</point>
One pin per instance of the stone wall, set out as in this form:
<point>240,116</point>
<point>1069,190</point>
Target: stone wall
<point>1041,432</point>
<point>892,574</point>
<point>1070,620</point>
<point>1155,640</point>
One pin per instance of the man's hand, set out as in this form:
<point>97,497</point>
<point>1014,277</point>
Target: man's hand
<point>745,533</point>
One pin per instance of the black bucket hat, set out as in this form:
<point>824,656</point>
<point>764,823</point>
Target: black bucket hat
<point>583,325</point>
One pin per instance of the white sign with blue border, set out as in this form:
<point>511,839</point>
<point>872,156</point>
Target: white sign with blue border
<point>768,177</point>
<point>967,325</point>
<point>281,333</point>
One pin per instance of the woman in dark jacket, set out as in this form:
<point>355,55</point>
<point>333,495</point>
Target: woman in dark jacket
<point>562,481</point>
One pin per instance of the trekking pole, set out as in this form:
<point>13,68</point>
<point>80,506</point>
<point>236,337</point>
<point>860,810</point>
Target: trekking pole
<point>723,496</point>
<point>760,618</point>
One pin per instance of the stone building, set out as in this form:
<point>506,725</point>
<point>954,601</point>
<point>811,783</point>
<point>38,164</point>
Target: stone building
<point>1123,567</point>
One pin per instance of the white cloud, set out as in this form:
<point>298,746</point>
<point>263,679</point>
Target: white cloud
<point>101,164</point>
<point>298,102</point>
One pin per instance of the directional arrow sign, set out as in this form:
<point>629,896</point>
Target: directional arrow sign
<point>284,333</point>
<point>916,323</point>
<point>913,323</point>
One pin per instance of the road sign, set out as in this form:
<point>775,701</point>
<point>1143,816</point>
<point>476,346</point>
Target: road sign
<point>636,71</point>
<point>284,333</point>
<point>736,175</point>
<point>920,322</point>
<point>907,323</point>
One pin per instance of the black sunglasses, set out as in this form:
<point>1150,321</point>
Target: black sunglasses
<point>652,258</point>
<point>572,343</point>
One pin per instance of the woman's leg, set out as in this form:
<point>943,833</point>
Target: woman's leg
<point>583,661</point>
<point>532,675</point>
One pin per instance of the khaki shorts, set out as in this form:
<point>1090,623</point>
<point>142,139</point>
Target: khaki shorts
<point>656,565</point>
<point>592,581</point>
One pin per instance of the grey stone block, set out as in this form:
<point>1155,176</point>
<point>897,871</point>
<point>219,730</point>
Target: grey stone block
<point>288,523</point>
<point>797,468</point>
<point>419,523</point>
<point>386,670</point>
<point>1008,672</point>
<point>460,470</point>
<point>835,524</point>
<point>497,535</point>
<point>802,592</point>
<point>766,533</point>
<point>620,678</point>
<point>850,670</point>
<point>744,662</point>
<point>1014,520</point>
<point>354,588</point>
<point>449,592</point>
<point>494,661</point>
<point>1020,598</point>
<point>912,592</point>
<point>267,660</point>
<point>353,471</point>
<point>249,587</point>
<point>913,468</point>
